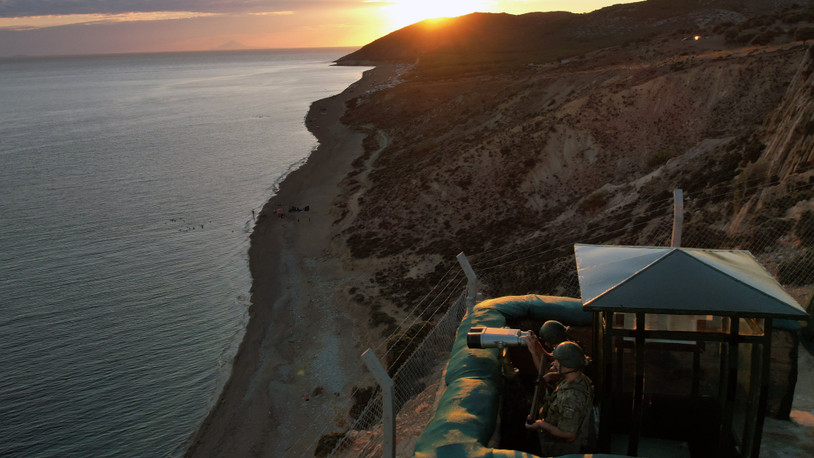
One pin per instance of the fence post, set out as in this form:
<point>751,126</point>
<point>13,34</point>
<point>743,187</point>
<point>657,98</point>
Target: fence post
<point>678,217</point>
<point>471,281</point>
<point>388,403</point>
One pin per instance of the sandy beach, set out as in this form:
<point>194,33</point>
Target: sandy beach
<point>299,359</point>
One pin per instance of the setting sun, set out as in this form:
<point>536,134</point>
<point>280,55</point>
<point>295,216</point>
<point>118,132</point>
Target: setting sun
<point>402,13</point>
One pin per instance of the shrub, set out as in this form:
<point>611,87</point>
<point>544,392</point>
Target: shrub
<point>746,36</point>
<point>752,150</point>
<point>327,443</point>
<point>377,318</point>
<point>660,157</point>
<point>766,234</point>
<point>593,202</point>
<point>804,229</point>
<point>361,396</point>
<point>703,236</point>
<point>798,270</point>
<point>402,345</point>
<point>763,38</point>
<point>751,176</point>
<point>804,33</point>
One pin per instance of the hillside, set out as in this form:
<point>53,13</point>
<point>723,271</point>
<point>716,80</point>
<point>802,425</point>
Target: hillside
<point>463,156</point>
<point>484,40</point>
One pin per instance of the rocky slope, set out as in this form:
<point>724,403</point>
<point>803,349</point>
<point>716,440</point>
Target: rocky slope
<point>475,158</point>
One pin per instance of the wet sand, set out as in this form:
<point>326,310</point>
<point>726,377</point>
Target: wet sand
<point>299,359</point>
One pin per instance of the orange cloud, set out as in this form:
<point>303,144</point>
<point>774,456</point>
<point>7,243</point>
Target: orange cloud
<point>41,22</point>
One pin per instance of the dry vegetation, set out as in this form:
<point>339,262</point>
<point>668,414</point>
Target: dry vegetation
<point>484,159</point>
<point>474,154</point>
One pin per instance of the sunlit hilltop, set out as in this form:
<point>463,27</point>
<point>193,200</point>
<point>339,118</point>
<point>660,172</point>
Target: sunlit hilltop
<point>402,13</point>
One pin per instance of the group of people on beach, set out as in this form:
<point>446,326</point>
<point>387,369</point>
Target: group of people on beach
<point>291,209</point>
<point>565,420</point>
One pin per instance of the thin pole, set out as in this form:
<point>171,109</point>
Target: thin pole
<point>388,403</point>
<point>638,389</point>
<point>765,373</point>
<point>607,374</point>
<point>731,384</point>
<point>678,217</point>
<point>471,280</point>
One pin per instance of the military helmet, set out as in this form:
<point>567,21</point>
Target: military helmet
<point>553,332</point>
<point>570,355</point>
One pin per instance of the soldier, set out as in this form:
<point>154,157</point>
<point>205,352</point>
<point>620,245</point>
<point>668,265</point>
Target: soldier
<point>566,424</point>
<point>552,333</point>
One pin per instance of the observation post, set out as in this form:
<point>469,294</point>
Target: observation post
<point>682,343</point>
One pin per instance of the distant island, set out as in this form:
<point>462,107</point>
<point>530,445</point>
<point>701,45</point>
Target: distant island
<point>232,45</point>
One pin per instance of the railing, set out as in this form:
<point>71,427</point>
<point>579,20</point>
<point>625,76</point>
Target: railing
<point>783,243</point>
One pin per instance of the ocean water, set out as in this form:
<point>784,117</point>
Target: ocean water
<point>127,185</point>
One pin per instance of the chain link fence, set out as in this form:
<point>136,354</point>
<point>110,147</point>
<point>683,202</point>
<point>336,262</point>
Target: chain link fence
<point>779,232</point>
<point>411,379</point>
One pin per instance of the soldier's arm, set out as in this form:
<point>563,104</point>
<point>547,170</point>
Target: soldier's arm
<point>536,350</point>
<point>557,432</point>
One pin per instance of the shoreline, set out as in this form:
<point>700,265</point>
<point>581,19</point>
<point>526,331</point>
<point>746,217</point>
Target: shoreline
<point>299,356</point>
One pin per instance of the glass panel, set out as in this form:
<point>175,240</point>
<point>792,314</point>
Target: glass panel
<point>751,326</point>
<point>743,399</point>
<point>663,322</point>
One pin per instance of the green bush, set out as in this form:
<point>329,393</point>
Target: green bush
<point>378,318</point>
<point>660,157</point>
<point>403,344</point>
<point>593,202</point>
<point>327,443</point>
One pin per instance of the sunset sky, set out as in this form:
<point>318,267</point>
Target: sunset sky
<point>48,27</point>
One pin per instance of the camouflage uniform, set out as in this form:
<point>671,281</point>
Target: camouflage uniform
<point>569,408</point>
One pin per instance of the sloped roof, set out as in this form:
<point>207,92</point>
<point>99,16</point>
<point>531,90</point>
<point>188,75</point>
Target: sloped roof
<point>680,281</point>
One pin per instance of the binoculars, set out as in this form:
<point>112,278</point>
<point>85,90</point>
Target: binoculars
<point>496,337</point>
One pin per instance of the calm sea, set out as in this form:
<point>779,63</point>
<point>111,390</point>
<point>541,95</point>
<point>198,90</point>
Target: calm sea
<point>127,185</point>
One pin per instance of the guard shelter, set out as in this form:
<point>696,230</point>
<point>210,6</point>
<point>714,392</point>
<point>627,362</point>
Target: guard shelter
<point>682,333</point>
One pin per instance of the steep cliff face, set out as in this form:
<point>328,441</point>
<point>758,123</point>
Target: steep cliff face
<point>790,149</point>
<point>787,165</point>
<point>488,158</point>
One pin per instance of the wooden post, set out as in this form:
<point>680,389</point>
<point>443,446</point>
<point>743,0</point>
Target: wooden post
<point>678,217</point>
<point>471,281</point>
<point>388,403</point>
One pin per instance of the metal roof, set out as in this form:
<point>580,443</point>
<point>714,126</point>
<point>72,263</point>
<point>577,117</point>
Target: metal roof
<point>680,281</point>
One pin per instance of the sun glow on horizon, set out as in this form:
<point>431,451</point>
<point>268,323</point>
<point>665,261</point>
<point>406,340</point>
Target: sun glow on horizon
<point>402,13</point>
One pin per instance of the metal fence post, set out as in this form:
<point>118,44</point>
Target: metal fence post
<point>471,281</point>
<point>678,217</point>
<point>388,403</point>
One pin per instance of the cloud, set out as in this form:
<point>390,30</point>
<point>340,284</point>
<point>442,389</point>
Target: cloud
<point>29,8</point>
<point>39,14</point>
<point>41,22</point>
<point>273,13</point>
